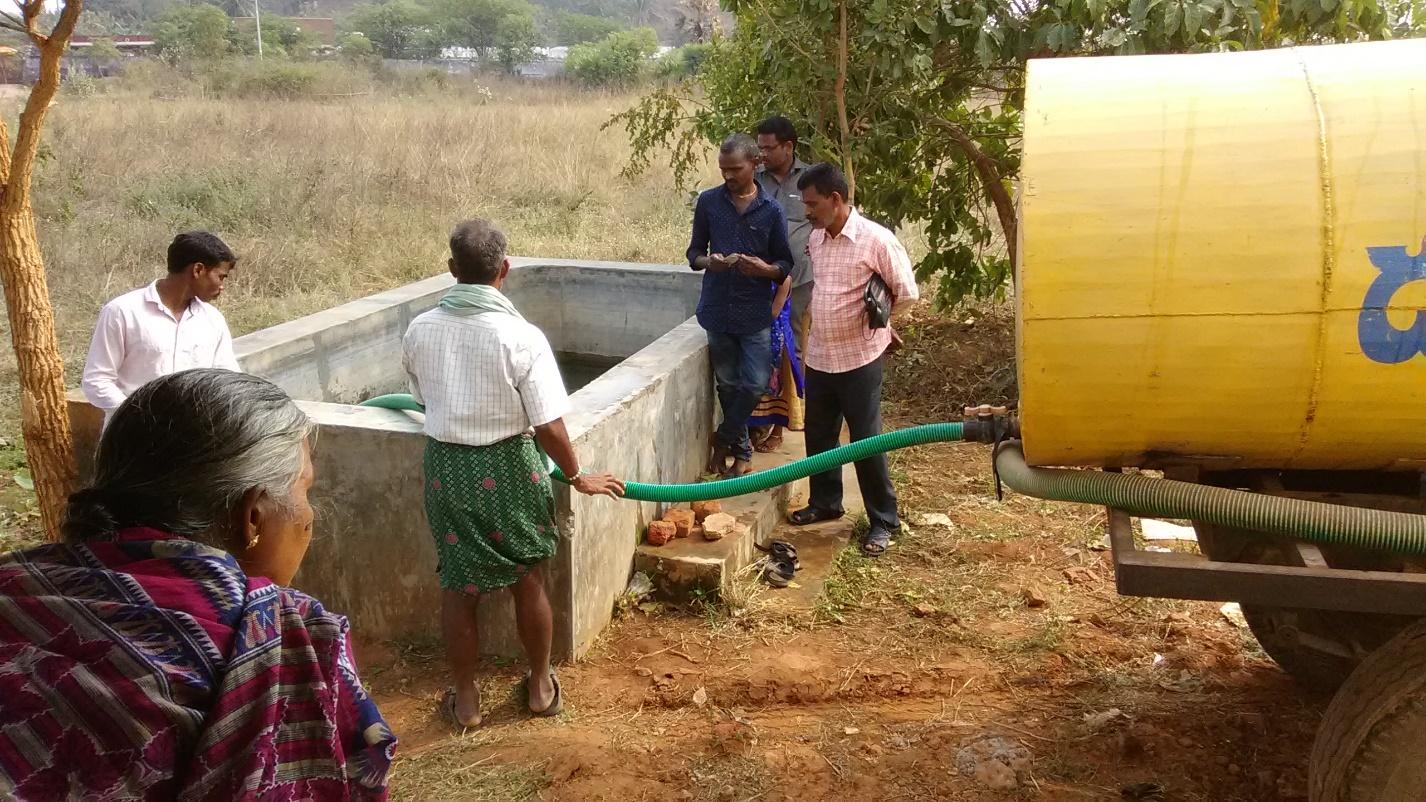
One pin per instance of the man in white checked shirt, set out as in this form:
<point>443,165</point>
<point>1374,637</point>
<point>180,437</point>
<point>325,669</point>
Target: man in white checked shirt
<point>491,389</point>
<point>844,354</point>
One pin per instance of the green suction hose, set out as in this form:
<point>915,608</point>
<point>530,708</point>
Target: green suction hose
<point>398,401</point>
<point>753,482</point>
<point>1331,524</point>
<point>801,469</point>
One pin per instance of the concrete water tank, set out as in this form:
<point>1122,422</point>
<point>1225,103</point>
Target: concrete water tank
<point>1221,259</point>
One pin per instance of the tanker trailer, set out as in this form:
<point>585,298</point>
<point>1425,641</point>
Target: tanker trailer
<point>1220,279</point>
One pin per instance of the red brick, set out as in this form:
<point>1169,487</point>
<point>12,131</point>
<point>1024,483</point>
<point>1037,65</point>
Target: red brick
<point>682,520</point>
<point>661,532</point>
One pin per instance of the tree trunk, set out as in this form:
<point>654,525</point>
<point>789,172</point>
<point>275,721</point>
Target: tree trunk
<point>839,90</point>
<point>990,179</point>
<point>44,416</point>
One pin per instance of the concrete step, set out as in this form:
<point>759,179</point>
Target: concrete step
<point>817,545</point>
<point>691,568</point>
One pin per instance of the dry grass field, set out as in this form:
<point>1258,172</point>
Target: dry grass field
<point>346,192</point>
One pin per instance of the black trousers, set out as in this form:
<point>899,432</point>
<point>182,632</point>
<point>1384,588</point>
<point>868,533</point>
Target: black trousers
<point>854,396</point>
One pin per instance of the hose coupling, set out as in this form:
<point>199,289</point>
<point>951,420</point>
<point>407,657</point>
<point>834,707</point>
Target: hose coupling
<point>990,425</point>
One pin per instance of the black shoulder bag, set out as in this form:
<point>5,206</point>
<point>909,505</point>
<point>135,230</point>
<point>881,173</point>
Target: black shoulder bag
<point>877,299</point>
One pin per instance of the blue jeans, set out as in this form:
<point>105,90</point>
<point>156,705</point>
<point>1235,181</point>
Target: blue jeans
<point>742,366</point>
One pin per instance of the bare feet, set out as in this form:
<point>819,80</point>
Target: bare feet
<point>718,463</point>
<point>741,467</point>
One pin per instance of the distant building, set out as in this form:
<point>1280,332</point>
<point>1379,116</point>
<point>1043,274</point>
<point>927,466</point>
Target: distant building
<point>547,63</point>
<point>77,61</point>
<point>135,45</point>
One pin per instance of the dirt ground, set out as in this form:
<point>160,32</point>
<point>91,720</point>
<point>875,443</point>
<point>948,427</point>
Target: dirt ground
<point>990,625</point>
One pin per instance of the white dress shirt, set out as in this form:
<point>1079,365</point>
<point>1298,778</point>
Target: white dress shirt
<point>138,339</point>
<point>483,378</point>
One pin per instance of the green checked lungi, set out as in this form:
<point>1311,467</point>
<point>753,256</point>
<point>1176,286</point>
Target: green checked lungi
<point>492,512</point>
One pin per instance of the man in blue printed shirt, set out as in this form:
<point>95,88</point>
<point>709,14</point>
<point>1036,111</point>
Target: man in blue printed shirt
<point>740,242</point>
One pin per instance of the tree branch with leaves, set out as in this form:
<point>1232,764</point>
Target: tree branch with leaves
<point>992,179</point>
<point>44,417</point>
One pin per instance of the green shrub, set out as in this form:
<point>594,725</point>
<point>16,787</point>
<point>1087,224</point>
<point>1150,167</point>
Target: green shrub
<point>356,47</point>
<point>105,53</point>
<point>279,81</point>
<point>282,80</point>
<point>197,31</point>
<point>80,84</point>
<point>435,78</point>
<point>501,31</point>
<point>411,82</point>
<point>281,37</point>
<point>161,79</point>
<point>431,82</point>
<point>620,60</point>
<point>397,29</point>
<point>226,200</point>
<point>683,62</point>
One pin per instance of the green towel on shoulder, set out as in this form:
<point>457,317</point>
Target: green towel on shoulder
<point>477,299</point>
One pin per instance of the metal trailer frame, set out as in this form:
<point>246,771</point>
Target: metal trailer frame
<point>1311,584</point>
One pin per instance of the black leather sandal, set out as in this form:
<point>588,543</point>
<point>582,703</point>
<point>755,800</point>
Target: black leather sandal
<point>778,573</point>
<point>876,543</point>
<point>811,515</point>
<point>782,550</point>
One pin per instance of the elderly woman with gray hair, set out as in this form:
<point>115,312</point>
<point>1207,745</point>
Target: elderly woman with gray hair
<point>157,654</point>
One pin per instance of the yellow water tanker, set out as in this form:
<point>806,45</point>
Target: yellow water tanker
<point>1221,259</point>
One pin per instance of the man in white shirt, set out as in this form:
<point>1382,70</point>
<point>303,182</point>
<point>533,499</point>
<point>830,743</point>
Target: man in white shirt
<point>487,379</point>
<point>163,328</point>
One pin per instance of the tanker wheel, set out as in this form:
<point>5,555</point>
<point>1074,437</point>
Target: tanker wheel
<point>1369,747</point>
<point>1319,648</point>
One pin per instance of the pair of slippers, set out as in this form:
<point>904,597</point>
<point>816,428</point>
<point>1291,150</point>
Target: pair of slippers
<point>782,564</point>
<point>555,707</point>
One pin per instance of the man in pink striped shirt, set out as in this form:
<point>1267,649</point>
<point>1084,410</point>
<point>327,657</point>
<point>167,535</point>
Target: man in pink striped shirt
<point>844,354</point>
